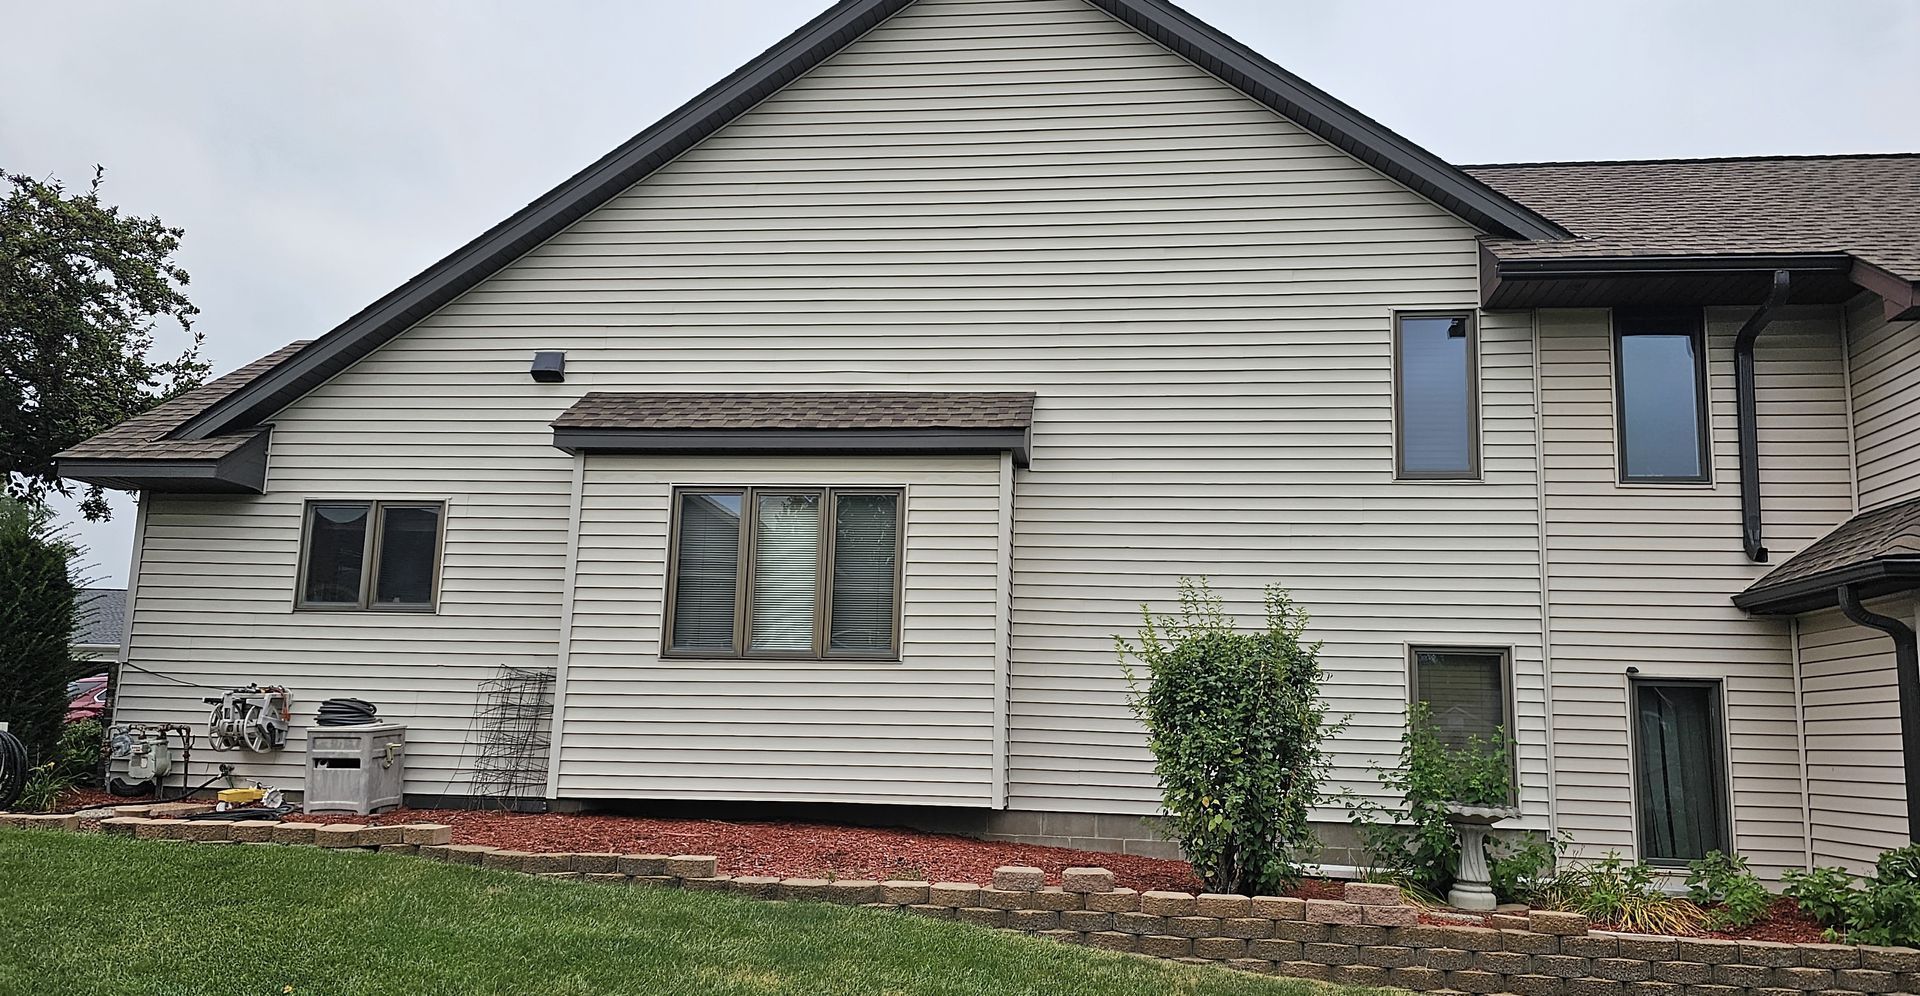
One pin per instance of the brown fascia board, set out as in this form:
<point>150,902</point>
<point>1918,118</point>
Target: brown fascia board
<point>794,55</point>
<point>1497,274</point>
<point>1900,296</point>
<point>815,441</point>
<point>243,471</point>
<point>1871,578</point>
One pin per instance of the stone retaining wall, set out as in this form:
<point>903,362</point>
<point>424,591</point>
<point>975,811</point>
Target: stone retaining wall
<point>1371,938</point>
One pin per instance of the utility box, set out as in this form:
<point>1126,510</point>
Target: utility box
<point>355,769</point>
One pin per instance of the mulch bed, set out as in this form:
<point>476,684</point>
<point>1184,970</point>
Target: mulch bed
<point>74,800</point>
<point>1783,922</point>
<point>789,850</point>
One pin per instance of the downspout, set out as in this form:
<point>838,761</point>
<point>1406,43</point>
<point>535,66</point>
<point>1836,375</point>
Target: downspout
<point>1906,660</point>
<point>1750,531</point>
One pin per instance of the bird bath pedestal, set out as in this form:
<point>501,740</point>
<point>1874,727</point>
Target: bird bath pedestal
<point>1472,887</point>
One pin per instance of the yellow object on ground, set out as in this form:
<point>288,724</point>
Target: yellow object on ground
<point>241,797</point>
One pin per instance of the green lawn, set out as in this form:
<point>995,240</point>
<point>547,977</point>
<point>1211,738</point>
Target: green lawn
<point>93,914</point>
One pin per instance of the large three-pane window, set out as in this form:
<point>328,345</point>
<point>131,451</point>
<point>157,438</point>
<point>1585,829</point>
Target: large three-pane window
<point>1661,371</point>
<point>1435,394</point>
<point>371,555</point>
<point>784,572</point>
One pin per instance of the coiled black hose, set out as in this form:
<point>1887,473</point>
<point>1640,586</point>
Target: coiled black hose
<point>13,769</point>
<point>346,712</point>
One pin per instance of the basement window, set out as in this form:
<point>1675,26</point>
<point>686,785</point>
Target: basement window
<point>1660,363</point>
<point>779,572</point>
<point>1467,691</point>
<point>374,555</point>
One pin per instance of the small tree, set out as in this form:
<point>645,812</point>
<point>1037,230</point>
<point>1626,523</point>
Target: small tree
<point>36,622</point>
<point>1236,726</point>
<point>81,288</point>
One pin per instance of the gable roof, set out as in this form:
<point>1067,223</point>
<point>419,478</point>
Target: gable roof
<point>1877,551</point>
<point>813,43</point>
<point>1861,212</point>
<point>100,617</point>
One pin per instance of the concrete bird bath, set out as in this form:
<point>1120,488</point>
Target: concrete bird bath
<point>1472,886</point>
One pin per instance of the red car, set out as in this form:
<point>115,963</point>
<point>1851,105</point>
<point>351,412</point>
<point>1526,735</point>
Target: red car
<point>87,699</point>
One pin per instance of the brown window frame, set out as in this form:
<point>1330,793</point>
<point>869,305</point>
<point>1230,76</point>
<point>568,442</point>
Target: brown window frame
<point>1474,470</point>
<point>1622,320</point>
<point>747,557</point>
<point>1509,706</point>
<point>370,556</point>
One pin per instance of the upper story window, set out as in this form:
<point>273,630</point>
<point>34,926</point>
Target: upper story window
<point>785,572</point>
<point>1435,397</point>
<point>1660,362</point>
<point>1467,692</point>
<point>371,555</point>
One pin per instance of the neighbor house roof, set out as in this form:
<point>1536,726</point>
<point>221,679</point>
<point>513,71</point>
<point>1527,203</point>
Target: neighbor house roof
<point>1861,213</point>
<point>1878,552</point>
<point>100,617</point>
<point>141,453</point>
<point>793,421</point>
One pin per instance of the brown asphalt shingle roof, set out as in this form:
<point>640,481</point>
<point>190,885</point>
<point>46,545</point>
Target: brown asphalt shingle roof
<point>1866,206</point>
<point>801,410</point>
<point>143,437</point>
<point>1884,533</point>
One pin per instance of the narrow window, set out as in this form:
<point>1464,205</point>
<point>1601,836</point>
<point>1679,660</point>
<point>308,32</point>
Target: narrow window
<point>1435,397</point>
<point>1466,692</point>
<point>866,548</point>
<point>1661,364</point>
<point>784,572</point>
<point>370,555</point>
<point>707,583</point>
<point>1679,770</point>
<point>785,592</point>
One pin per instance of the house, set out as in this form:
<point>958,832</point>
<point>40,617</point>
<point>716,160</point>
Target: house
<point>819,440</point>
<point>100,621</point>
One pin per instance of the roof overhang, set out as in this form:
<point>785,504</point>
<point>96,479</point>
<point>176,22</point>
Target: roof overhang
<point>811,442</point>
<point>1627,281</point>
<point>241,471</point>
<point>1869,578</point>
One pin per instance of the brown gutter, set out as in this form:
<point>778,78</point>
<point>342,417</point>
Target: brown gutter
<point>1748,412</point>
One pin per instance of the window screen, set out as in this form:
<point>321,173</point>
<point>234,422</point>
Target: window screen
<point>1435,397</point>
<point>1661,363</point>
<point>818,573</point>
<point>1465,690</point>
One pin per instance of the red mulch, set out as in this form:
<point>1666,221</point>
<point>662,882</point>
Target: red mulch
<point>1783,922</point>
<point>74,800</point>
<point>789,850</point>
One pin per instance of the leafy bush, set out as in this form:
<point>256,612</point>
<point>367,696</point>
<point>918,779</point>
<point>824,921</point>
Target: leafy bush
<point>1731,893</point>
<point>42,790</point>
<point>1825,894</point>
<point>81,748</point>
<point>1623,894</point>
<point>1521,867</point>
<point>36,621</point>
<point>1884,909</point>
<point>1236,727</point>
<point>1416,846</point>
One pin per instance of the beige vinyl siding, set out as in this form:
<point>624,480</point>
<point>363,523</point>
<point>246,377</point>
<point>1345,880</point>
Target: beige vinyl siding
<point>919,730</point>
<point>1886,402</point>
<point>1641,575</point>
<point>1855,769</point>
<point>1005,195</point>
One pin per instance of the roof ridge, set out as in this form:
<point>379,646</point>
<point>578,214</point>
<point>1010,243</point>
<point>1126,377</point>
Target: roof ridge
<point>1685,160</point>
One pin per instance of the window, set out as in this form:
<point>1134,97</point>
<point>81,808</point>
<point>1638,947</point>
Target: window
<point>1465,692</point>
<point>1661,372</point>
<point>784,573</point>
<point>1435,397</point>
<point>371,555</point>
<point>1679,762</point>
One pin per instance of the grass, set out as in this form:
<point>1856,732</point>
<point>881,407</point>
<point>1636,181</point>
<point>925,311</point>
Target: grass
<point>94,914</point>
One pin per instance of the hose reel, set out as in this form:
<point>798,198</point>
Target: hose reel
<point>253,718</point>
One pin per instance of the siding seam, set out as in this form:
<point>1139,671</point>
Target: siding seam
<point>556,743</point>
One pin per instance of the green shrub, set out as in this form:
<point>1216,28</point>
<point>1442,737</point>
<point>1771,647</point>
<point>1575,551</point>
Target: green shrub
<point>1884,909</point>
<point>1521,867</point>
<point>36,623</point>
<point>1416,845</point>
<point>82,746</point>
<point>1623,894</point>
<point>42,790</point>
<point>1825,894</point>
<point>1731,893</point>
<point>1236,726</point>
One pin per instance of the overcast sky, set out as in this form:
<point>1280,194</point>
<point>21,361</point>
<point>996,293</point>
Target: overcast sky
<point>318,154</point>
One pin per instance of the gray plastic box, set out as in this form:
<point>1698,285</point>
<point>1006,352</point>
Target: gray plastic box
<point>355,769</point>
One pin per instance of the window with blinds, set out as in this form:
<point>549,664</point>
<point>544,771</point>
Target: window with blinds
<point>1466,692</point>
<point>785,573</point>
